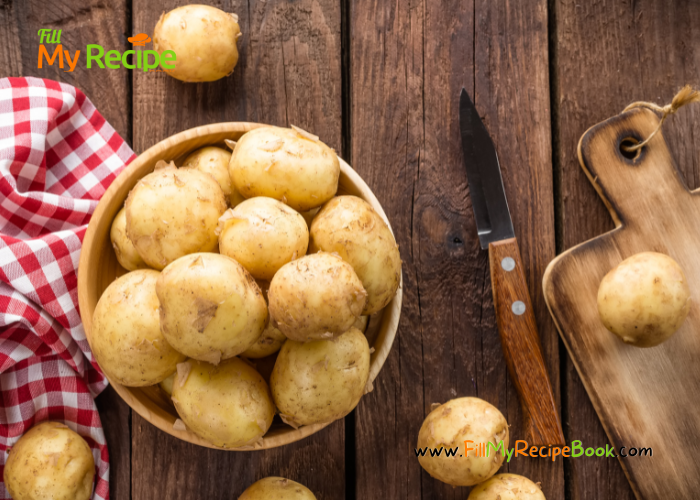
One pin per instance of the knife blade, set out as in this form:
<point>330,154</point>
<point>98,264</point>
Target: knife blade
<point>514,313</point>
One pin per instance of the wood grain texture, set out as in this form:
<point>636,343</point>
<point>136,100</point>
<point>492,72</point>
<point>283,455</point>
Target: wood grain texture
<point>605,55</point>
<point>288,73</point>
<point>644,397</point>
<point>521,345</point>
<point>409,61</point>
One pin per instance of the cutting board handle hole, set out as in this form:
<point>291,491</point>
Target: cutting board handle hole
<point>626,143</point>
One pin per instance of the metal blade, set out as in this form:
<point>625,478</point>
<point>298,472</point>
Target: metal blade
<point>488,197</point>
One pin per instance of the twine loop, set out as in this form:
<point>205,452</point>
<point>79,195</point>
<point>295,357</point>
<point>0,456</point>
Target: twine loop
<point>685,96</point>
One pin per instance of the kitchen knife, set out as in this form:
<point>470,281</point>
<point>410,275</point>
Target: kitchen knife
<point>514,313</point>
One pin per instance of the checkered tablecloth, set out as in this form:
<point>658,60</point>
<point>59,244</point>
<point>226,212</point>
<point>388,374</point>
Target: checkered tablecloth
<point>57,157</point>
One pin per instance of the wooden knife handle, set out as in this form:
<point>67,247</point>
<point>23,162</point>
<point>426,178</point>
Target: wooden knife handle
<point>521,345</point>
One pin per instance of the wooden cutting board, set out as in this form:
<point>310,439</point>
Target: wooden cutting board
<point>644,397</point>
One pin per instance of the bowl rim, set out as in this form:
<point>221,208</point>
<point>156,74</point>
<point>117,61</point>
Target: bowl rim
<point>134,396</point>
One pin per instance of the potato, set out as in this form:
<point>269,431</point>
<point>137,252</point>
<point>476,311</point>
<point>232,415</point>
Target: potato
<point>645,299</point>
<point>271,339</point>
<point>203,39</point>
<point>289,165</point>
<point>449,426</point>
<point>167,385</point>
<point>210,307</point>
<point>171,213</point>
<point>507,487</point>
<point>349,226</point>
<point>320,381</point>
<point>126,338</point>
<point>126,253</point>
<point>316,297</point>
<point>361,323</point>
<point>229,405</point>
<point>277,488</point>
<point>50,461</point>
<point>263,234</point>
<point>214,161</point>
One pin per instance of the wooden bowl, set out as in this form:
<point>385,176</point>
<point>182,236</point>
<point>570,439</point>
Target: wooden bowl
<point>99,267</point>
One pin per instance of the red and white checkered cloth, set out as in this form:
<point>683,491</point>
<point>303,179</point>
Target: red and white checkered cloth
<point>57,157</point>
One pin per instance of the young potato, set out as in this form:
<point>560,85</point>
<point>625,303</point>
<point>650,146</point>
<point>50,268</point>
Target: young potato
<point>229,405</point>
<point>263,234</point>
<point>271,339</point>
<point>203,39</point>
<point>277,488</point>
<point>126,253</point>
<point>449,426</point>
<point>167,385</point>
<point>645,299</point>
<point>126,338</point>
<point>361,323</point>
<point>320,381</point>
<point>210,307</point>
<point>349,226</point>
<point>214,161</point>
<point>507,487</point>
<point>316,297</point>
<point>289,165</point>
<point>171,213</point>
<point>50,461</point>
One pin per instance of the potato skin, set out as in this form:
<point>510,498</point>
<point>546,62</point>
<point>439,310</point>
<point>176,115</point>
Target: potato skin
<point>449,426</point>
<point>271,339</point>
<point>214,161</point>
<point>263,234</point>
<point>645,299</point>
<point>286,165</point>
<point>506,487</point>
<point>229,405</point>
<point>316,297</point>
<point>349,226</point>
<point>277,488</point>
<point>126,338</point>
<point>50,462</point>
<point>210,307</point>
<point>126,253</point>
<point>203,39</point>
<point>320,381</point>
<point>173,212</point>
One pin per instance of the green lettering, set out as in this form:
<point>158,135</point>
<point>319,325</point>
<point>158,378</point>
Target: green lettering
<point>112,59</point>
<point>576,449</point>
<point>166,57</point>
<point>148,65</point>
<point>609,451</point>
<point>599,452</point>
<point>138,58</point>
<point>97,57</point>
<point>509,453</point>
<point>590,452</point>
<point>125,60</point>
<point>490,445</point>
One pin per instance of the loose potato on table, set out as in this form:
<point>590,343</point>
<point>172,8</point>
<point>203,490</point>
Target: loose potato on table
<point>645,299</point>
<point>126,253</point>
<point>50,461</point>
<point>449,426</point>
<point>277,488</point>
<point>126,338</point>
<point>203,39</point>
<point>263,234</point>
<point>173,212</point>
<point>271,339</point>
<point>507,487</point>
<point>349,226</point>
<point>229,405</point>
<point>320,381</point>
<point>210,307</point>
<point>214,161</point>
<point>316,297</point>
<point>288,165</point>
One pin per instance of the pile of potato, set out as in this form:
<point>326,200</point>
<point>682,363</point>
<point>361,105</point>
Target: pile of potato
<point>246,256</point>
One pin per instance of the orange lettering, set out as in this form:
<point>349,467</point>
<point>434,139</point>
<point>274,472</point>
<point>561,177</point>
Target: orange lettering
<point>518,451</point>
<point>565,452</point>
<point>58,51</point>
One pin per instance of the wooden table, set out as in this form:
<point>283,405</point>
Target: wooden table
<point>379,81</point>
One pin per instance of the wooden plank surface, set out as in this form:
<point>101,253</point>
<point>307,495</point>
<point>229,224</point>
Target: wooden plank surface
<point>605,55</point>
<point>409,62</point>
<point>288,73</point>
<point>81,22</point>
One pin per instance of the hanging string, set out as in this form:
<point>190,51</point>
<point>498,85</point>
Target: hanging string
<point>685,96</point>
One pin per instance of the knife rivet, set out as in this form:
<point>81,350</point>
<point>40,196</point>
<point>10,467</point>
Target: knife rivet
<point>518,307</point>
<point>508,264</point>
